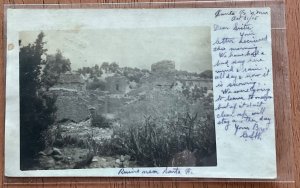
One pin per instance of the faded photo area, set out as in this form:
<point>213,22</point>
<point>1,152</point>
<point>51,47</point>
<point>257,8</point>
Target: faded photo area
<point>116,98</point>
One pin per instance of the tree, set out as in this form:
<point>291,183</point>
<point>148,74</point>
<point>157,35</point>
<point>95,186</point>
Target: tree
<point>95,84</point>
<point>36,108</point>
<point>113,67</point>
<point>105,66</point>
<point>98,71</point>
<point>55,66</point>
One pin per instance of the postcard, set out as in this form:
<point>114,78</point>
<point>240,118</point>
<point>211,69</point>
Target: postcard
<point>185,92</point>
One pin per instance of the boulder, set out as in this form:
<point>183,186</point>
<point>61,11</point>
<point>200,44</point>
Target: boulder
<point>48,151</point>
<point>58,157</point>
<point>42,153</point>
<point>94,159</point>
<point>56,151</point>
<point>127,157</point>
<point>46,162</point>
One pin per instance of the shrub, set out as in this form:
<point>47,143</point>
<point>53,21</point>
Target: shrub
<point>100,121</point>
<point>154,144</point>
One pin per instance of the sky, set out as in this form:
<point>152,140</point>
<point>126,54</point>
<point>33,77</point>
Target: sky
<point>188,47</point>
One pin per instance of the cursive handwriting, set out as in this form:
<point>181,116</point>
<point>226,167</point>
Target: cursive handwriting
<point>242,73</point>
<point>156,171</point>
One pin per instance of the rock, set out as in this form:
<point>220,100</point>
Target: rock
<point>118,161</point>
<point>56,151</point>
<point>125,164</point>
<point>94,165</point>
<point>102,159</point>
<point>127,157</point>
<point>184,158</point>
<point>94,159</point>
<point>42,153</point>
<point>58,157</point>
<point>48,151</point>
<point>87,160</point>
<point>46,162</point>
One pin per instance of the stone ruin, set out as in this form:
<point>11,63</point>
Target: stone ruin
<point>71,105</point>
<point>70,81</point>
<point>116,84</point>
<point>73,100</point>
<point>163,66</point>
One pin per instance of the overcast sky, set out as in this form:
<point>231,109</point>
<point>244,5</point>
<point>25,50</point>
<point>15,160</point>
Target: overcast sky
<point>189,47</point>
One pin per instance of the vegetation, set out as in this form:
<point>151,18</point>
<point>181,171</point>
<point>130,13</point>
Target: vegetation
<point>173,126</point>
<point>160,123</point>
<point>206,74</point>
<point>37,107</point>
<point>55,65</point>
<point>93,72</point>
<point>152,144</point>
<point>96,84</point>
<point>98,120</point>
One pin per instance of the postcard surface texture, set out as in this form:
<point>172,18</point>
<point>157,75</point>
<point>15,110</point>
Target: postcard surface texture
<point>140,93</point>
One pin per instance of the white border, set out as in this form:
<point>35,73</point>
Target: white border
<point>236,158</point>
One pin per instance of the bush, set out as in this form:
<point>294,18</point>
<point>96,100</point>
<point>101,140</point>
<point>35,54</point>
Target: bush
<point>154,144</point>
<point>100,121</point>
<point>96,84</point>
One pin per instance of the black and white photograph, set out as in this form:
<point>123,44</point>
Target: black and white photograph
<point>116,98</point>
<point>168,92</point>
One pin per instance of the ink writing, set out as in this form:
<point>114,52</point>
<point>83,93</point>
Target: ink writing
<point>156,171</point>
<point>242,72</point>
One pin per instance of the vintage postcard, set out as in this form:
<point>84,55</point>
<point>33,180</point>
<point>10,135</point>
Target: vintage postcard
<point>140,93</point>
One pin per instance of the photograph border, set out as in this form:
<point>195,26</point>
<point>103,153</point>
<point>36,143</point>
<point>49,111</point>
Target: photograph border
<point>256,4</point>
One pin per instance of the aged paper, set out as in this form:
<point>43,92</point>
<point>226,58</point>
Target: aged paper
<point>140,93</point>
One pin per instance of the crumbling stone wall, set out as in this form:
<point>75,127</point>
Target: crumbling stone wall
<point>70,81</point>
<point>116,84</point>
<point>75,106</point>
<point>69,86</point>
<point>71,106</point>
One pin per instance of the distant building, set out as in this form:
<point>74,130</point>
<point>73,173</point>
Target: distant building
<point>116,84</point>
<point>69,81</point>
<point>163,66</point>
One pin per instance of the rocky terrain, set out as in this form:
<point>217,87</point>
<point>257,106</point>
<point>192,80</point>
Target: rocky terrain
<point>74,148</point>
<point>126,121</point>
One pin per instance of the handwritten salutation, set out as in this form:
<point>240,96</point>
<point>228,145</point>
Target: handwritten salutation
<point>242,72</point>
